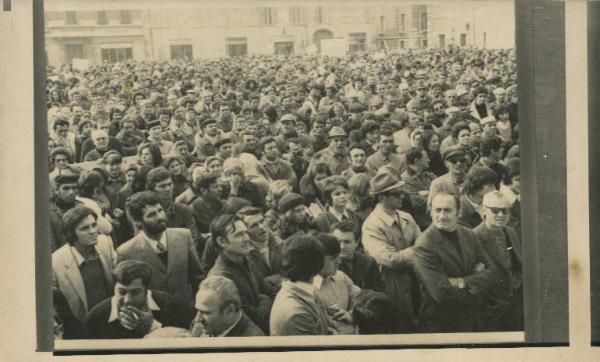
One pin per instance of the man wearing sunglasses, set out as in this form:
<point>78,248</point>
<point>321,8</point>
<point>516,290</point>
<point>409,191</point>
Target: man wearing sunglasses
<point>457,161</point>
<point>502,244</point>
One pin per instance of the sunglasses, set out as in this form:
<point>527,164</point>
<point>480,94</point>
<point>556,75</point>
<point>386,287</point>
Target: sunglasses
<point>462,160</point>
<point>497,210</point>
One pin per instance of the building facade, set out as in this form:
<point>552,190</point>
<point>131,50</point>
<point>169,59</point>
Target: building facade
<point>142,30</point>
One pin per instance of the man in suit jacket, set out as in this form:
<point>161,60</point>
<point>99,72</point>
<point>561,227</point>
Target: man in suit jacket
<point>503,246</point>
<point>455,272</point>
<point>361,268</point>
<point>295,309</point>
<point>81,270</point>
<point>479,181</point>
<point>231,236</point>
<point>170,252</point>
<point>219,311</point>
<point>135,311</point>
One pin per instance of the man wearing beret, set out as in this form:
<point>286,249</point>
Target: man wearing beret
<point>388,235</point>
<point>456,160</point>
<point>335,155</point>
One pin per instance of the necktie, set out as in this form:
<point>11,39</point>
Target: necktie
<point>161,248</point>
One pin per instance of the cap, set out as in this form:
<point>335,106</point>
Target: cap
<point>208,121</point>
<point>288,117</point>
<point>337,132</point>
<point>453,151</point>
<point>489,119</point>
<point>152,124</point>
<point>384,182</point>
<point>290,201</point>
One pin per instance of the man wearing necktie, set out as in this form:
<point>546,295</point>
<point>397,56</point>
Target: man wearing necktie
<point>170,252</point>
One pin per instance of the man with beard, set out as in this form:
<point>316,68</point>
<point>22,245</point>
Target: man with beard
<point>271,166</point>
<point>358,160</point>
<point>388,235</point>
<point>225,117</point>
<point>66,189</point>
<point>159,180</point>
<point>503,246</point>
<point>219,311</point>
<point>455,272</point>
<point>231,235</point>
<point>288,131</point>
<point>385,155</point>
<point>135,310</point>
<point>457,162</point>
<point>335,155</point>
<point>169,252</point>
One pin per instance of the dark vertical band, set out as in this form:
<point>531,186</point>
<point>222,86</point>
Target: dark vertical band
<point>43,264</point>
<point>542,113</point>
<point>6,5</point>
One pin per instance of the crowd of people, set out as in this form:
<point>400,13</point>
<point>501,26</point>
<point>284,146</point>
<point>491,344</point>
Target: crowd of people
<point>299,195</point>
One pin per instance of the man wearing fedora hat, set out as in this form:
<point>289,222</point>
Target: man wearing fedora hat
<point>388,235</point>
<point>336,154</point>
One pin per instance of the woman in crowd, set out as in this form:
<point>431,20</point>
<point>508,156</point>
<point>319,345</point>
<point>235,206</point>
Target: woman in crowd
<point>311,188</point>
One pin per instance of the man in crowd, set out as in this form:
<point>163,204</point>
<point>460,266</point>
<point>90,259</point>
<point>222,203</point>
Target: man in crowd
<point>385,155</point>
<point>66,189</point>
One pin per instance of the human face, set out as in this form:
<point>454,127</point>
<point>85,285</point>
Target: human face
<point>318,179</point>
<point>86,130</point>
<point>438,109</point>
<point>496,214</point>
<point>146,157</point>
<point>114,169</point>
<point>237,241</point>
<point>515,184</point>
<point>249,139</point>
<point>175,168</point>
<point>60,161</point>
<point>77,112</point>
<point>155,132</point>
<point>422,163</point>
<point>154,219</point>
<point>128,127</point>
<point>130,176</point>
<point>132,295</point>
<point>489,128</point>
<point>164,120</point>
<point>182,150</point>
<point>271,152</point>
<point>213,317</point>
<point>386,144</point>
<point>215,167</point>
<point>457,165</point>
<point>256,228</point>
<point>318,129</point>
<point>164,189</point>
<point>86,232</point>
<point>444,213</point>
<point>463,137</point>
<point>330,265</point>
<point>348,243</point>
<point>62,130</point>
<point>101,142</point>
<point>67,192</point>
<point>393,200</point>
<point>480,98</point>
<point>413,121</point>
<point>211,129</point>
<point>358,157</point>
<point>339,197</point>
<point>339,145</point>
<point>475,134</point>
<point>225,150</point>
<point>298,213</point>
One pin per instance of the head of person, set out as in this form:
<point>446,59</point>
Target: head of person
<point>344,233</point>
<point>292,206</point>
<point>160,180</point>
<point>208,184</point>
<point>277,189</point>
<point>224,147</point>
<point>232,167</point>
<point>417,159</point>
<point>155,130</point>
<point>128,125</point>
<point>146,210</point>
<point>331,259</point>
<point>254,219</point>
<point>85,129</point>
<point>318,127</point>
<point>61,157</point>
<point>302,258</point>
<point>113,163</point>
<point>288,124</point>
<point>461,134</point>
<point>496,209</point>
<point>456,160</point>
<point>318,173</point>
<point>210,128</point>
<point>132,282</point>
<point>479,181</point>
<point>335,191</point>
<point>475,133</point>
<point>500,95</point>
<point>488,125</point>
<point>91,182</point>
<point>181,148</point>
<point>358,155</point>
<point>444,211</point>
<point>214,165</point>
<point>338,139</point>
<point>80,227</point>
<point>370,129</point>
<point>130,173</point>
<point>231,234</point>
<point>249,138</point>
<point>431,141</point>
<point>512,178</point>
<point>218,305</point>
<point>268,148</point>
<point>387,188</point>
<point>503,114</point>
<point>491,148</point>
<point>386,141</point>
<point>480,94</point>
<point>149,154</point>
<point>376,313</point>
<point>414,121</point>
<point>100,139</point>
<point>175,165</point>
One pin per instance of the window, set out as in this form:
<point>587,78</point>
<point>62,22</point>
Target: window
<point>423,21</point>
<point>70,18</point>
<point>125,17</point>
<point>319,15</point>
<point>463,39</point>
<point>101,18</point>
<point>284,48</point>
<point>115,55</point>
<point>182,52</point>
<point>402,18</point>
<point>398,21</point>
<point>425,43</point>
<point>442,40</point>
<point>267,16</point>
<point>236,47</point>
<point>296,15</point>
<point>358,42</point>
<point>73,51</point>
<point>401,44</point>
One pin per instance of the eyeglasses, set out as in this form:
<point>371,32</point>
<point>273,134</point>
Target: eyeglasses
<point>462,160</point>
<point>497,210</point>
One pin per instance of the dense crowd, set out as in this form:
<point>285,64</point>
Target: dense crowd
<point>303,195</point>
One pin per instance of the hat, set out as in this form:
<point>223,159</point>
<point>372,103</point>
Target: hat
<point>290,201</point>
<point>489,119</point>
<point>288,117</point>
<point>67,175</point>
<point>452,110</point>
<point>384,182</point>
<point>208,121</point>
<point>337,132</point>
<point>152,124</point>
<point>453,151</point>
<point>220,142</point>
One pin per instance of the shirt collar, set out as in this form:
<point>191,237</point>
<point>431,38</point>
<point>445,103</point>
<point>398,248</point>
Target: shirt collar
<point>318,280</point>
<point>79,259</point>
<point>336,214</point>
<point>224,333</point>
<point>388,219</point>
<point>114,306</point>
<point>154,243</point>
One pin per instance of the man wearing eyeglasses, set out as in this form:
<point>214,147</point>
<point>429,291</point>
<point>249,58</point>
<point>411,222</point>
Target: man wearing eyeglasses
<point>502,244</point>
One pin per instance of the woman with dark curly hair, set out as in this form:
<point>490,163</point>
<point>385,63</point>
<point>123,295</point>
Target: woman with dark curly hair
<point>312,189</point>
<point>336,193</point>
<point>149,155</point>
<point>176,166</point>
<point>431,144</point>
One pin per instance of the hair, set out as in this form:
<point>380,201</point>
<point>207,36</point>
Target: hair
<point>112,157</point>
<point>72,218</point>
<point>453,196</point>
<point>61,151</point>
<point>98,132</point>
<point>358,145</point>
<point>88,182</point>
<point>155,176</point>
<point>277,190</point>
<point>331,245</point>
<point>232,163</point>
<point>331,183</point>
<point>60,122</point>
<point>426,139</point>
<point>205,181</point>
<point>386,131</point>
<point>225,289</point>
<point>157,158</point>
<point>376,313</point>
<point>460,126</point>
<point>413,155</point>
<point>129,270</point>
<point>512,170</point>
<point>489,144</point>
<point>311,191</point>
<point>343,226</point>
<point>222,224</point>
<point>477,178</point>
<point>81,124</point>
<point>136,203</point>
<point>302,258</point>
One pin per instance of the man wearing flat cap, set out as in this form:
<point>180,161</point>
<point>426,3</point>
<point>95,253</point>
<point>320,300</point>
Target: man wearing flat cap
<point>66,189</point>
<point>503,246</point>
<point>457,162</point>
<point>288,131</point>
<point>335,155</point>
<point>155,135</point>
<point>388,235</point>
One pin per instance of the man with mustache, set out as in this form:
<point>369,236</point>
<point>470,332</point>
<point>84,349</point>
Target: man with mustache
<point>170,252</point>
<point>457,162</point>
